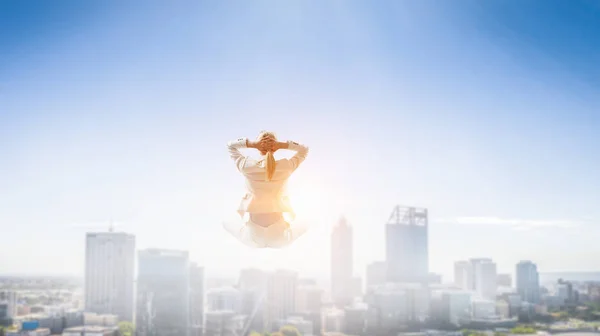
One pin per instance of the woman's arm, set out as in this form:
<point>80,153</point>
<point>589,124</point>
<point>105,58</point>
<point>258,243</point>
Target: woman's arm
<point>234,151</point>
<point>301,151</point>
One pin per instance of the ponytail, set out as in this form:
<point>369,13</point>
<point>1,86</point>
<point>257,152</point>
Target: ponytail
<point>270,165</point>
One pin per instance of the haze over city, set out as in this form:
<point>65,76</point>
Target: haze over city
<point>486,113</point>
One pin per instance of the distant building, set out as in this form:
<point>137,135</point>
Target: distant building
<point>109,274</point>
<point>477,275</point>
<point>224,299</point>
<point>407,256</point>
<point>463,275</point>
<point>280,300</point>
<point>483,309</point>
<point>514,303</point>
<point>253,290</point>
<point>305,327</point>
<point>456,307</point>
<point>90,331</point>
<point>53,323</point>
<point>309,299</point>
<point>333,320</point>
<point>376,274</point>
<point>395,304</point>
<point>355,319</point>
<point>224,323</point>
<point>565,290</point>
<point>8,305</point>
<point>196,300</point>
<point>435,279</point>
<point>100,320</point>
<point>528,282</point>
<point>485,277</point>
<point>356,287</point>
<point>36,332</point>
<point>342,263</point>
<point>504,280</point>
<point>503,309</point>
<point>163,293</point>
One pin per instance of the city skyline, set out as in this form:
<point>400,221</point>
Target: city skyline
<point>362,274</point>
<point>484,113</point>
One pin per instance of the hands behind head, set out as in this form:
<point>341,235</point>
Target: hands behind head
<point>270,145</point>
<point>267,145</point>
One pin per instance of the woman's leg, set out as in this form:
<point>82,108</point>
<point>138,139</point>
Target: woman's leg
<point>240,232</point>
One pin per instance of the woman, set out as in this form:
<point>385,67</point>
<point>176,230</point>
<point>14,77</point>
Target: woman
<point>266,201</point>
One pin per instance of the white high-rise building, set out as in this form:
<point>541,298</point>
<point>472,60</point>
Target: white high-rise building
<point>407,245</point>
<point>163,293</point>
<point>463,275</point>
<point>341,263</point>
<point>196,300</point>
<point>280,300</point>
<point>486,278</point>
<point>109,274</point>
<point>478,275</point>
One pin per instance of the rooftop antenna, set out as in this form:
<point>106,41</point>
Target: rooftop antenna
<point>111,226</point>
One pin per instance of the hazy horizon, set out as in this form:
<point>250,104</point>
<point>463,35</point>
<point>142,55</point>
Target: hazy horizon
<point>486,113</point>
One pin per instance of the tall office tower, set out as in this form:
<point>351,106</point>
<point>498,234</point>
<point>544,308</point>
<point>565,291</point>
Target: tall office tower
<point>253,285</point>
<point>163,293</point>
<point>309,302</point>
<point>528,282</point>
<point>8,305</point>
<point>280,300</point>
<point>406,250</point>
<point>196,300</point>
<point>109,274</point>
<point>309,299</point>
<point>485,274</point>
<point>341,263</point>
<point>463,275</point>
<point>376,274</point>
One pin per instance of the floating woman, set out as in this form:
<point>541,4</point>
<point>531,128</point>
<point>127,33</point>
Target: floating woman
<point>265,209</point>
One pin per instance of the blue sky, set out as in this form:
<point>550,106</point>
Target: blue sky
<point>484,112</point>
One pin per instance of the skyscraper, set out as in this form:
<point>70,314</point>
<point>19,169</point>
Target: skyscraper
<point>163,293</point>
<point>8,305</point>
<point>376,274</point>
<point>528,281</point>
<point>109,274</point>
<point>253,286</point>
<point>478,275</point>
<point>485,274</point>
<point>341,263</point>
<point>407,256</point>
<point>280,300</point>
<point>196,299</point>
<point>463,275</point>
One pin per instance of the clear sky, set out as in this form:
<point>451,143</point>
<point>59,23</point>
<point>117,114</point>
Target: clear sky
<point>485,112</point>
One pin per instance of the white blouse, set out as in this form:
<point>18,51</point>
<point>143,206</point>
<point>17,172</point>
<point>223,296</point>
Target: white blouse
<point>264,196</point>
